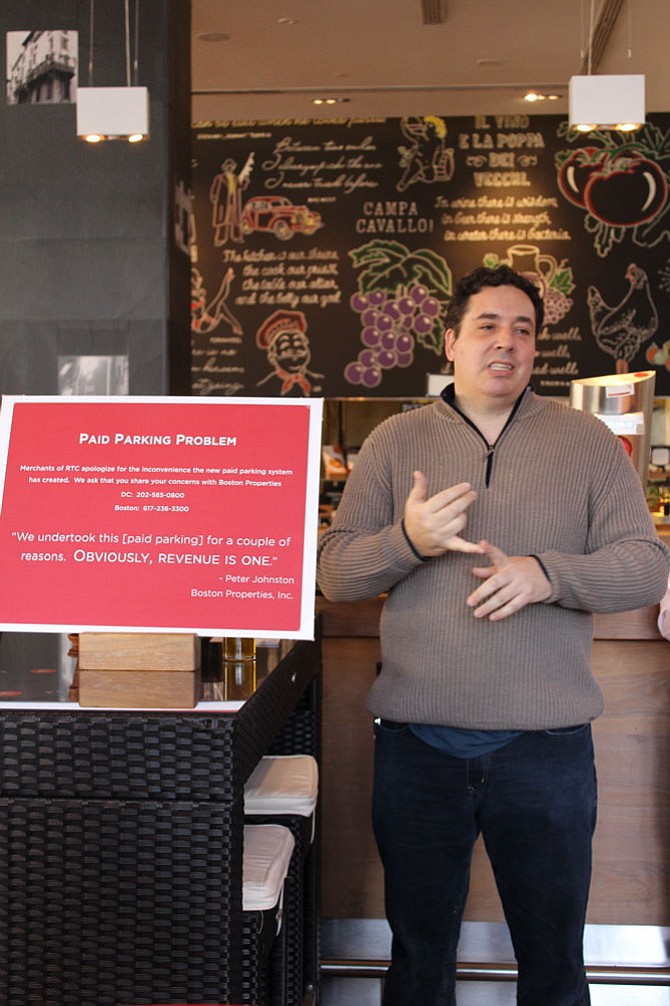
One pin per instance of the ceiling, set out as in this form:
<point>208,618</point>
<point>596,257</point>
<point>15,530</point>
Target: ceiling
<point>478,58</point>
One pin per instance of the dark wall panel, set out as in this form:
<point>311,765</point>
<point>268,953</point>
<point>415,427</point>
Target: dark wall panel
<point>87,232</point>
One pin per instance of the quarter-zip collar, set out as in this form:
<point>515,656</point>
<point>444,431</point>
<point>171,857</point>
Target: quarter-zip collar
<point>449,397</point>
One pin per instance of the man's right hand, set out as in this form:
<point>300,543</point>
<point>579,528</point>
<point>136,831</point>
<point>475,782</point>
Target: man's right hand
<point>434,524</point>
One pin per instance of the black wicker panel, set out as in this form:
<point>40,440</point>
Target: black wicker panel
<point>289,978</point>
<point>286,960</point>
<point>298,736</point>
<point>119,903</point>
<point>116,756</point>
<point>121,852</point>
<point>301,733</point>
<point>312,917</point>
<point>259,934</point>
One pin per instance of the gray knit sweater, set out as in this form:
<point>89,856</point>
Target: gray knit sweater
<point>561,487</point>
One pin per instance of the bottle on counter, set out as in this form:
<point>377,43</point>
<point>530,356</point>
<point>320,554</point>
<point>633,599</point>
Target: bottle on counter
<point>239,679</point>
<point>235,648</point>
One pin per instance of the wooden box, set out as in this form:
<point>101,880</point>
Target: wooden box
<point>137,651</point>
<point>139,689</point>
<point>138,670</point>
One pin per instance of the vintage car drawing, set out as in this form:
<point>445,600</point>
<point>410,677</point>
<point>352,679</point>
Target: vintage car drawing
<point>278,215</point>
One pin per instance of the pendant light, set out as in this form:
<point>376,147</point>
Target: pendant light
<point>110,113</point>
<point>606,101</point>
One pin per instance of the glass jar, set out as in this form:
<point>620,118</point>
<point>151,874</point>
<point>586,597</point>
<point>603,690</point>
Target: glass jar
<point>239,679</point>
<point>236,648</point>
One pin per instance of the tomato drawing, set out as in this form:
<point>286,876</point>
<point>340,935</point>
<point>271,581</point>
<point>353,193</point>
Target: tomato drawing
<point>576,172</point>
<point>621,188</point>
<point>627,189</point>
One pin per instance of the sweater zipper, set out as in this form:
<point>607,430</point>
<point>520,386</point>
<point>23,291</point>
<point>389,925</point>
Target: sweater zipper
<point>490,448</point>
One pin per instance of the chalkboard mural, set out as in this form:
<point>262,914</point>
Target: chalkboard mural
<point>324,252</point>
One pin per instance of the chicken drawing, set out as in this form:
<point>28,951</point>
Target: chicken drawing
<point>621,330</point>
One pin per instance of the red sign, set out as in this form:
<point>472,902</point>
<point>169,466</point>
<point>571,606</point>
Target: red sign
<point>196,514</point>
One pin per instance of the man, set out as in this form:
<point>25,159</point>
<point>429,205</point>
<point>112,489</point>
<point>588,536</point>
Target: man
<point>225,195</point>
<point>497,521</point>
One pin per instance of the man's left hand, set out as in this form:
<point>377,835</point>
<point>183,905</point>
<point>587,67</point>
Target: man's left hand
<point>510,583</point>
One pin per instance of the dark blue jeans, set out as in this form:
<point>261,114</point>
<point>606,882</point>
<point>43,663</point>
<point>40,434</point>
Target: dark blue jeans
<point>534,802</point>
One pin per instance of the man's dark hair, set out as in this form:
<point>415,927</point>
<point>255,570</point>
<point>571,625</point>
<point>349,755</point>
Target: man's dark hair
<point>474,281</point>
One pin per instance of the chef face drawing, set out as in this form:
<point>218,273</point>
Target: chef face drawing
<point>283,337</point>
<point>290,352</point>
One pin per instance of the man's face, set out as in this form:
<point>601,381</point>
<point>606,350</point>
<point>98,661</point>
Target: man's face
<point>494,351</point>
<point>290,351</point>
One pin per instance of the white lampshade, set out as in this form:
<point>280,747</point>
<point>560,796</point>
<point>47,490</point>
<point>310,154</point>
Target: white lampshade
<point>607,101</point>
<point>113,111</point>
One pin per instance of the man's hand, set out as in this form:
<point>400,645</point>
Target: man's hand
<point>510,583</point>
<point>434,525</point>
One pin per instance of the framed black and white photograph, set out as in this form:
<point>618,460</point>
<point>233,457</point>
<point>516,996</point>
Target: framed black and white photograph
<point>93,375</point>
<point>41,67</point>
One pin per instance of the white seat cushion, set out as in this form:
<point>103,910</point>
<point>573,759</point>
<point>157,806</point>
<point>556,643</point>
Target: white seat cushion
<point>283,784</point>
<point>267,853</point>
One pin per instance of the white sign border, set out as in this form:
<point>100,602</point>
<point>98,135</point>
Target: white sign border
<point>311,514</point>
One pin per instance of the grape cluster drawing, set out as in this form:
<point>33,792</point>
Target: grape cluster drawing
<point>401,299</point>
